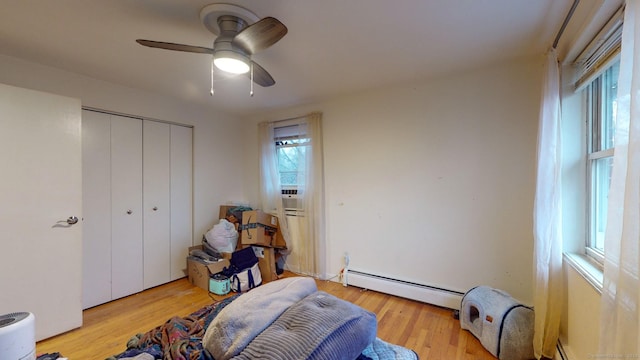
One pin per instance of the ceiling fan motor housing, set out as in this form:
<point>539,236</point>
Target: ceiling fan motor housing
<point>230,26</point>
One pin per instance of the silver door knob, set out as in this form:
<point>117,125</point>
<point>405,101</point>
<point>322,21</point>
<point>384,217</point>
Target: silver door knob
<point>129,212</point>
<point>72,220</point>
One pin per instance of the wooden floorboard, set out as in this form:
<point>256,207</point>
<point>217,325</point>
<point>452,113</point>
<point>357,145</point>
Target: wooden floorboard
<point>430,331</point>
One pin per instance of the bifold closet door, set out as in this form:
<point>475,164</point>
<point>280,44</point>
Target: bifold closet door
<point>96,208</point>
<point>126,206</point>
<point>156,197</point>
<point>181,198</point>
<point>137,204</point>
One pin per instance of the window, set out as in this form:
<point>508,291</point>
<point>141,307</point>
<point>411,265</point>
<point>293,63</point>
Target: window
<point>601,117</point>
<point>597,69</point>
<point>291,158</point>
<point>291,149</point>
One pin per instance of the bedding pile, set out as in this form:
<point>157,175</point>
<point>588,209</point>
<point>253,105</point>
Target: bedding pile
<point>284,319</point>
<point>178,338</point>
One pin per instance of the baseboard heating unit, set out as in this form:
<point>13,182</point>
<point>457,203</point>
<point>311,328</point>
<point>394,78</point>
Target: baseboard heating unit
<point>406,289</point>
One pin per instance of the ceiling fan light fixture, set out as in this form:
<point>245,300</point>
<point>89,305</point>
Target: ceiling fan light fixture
<point>240,35</point>
<point>231,62</point>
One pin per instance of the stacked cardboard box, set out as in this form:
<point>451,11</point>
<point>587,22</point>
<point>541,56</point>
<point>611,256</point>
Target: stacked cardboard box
<point>257,229</point>
<point>225,214</point>
<point>260,228</point>
<point>262,232</point>
<point>266,262</point>
<point>199,271</point>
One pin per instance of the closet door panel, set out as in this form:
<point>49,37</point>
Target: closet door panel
<point>96,208</point>
<point>126,206</point>
<point>181,198</point>
<point>157,213</point>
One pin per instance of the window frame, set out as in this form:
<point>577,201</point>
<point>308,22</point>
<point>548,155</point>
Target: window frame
<point>595,117</point>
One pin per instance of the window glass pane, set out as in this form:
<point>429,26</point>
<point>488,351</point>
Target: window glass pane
<point>601,169</point>
<point>291,160</point>
<point>601,114</point>
<point>608,117</point>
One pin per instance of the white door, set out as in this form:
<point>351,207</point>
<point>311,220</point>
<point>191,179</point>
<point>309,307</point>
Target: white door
<point>126,206</point>
<point>181,205</point>
<point>157,212</point>
<point>41,187</point>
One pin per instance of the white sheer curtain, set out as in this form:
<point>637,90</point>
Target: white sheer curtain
<point>312,251</point>
<point>620,313</point>
<point>547,217</point>
<point>304,233</point>
<point>270,188</point>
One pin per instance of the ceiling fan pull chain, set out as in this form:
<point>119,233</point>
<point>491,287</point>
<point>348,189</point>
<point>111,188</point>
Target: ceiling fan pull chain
<point>212,91</point>
<point>251,92</point>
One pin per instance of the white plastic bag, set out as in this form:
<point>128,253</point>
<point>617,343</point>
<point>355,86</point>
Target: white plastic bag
<point>223,236</point>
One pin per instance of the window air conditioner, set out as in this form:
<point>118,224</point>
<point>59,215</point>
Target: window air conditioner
<point>290,201</point>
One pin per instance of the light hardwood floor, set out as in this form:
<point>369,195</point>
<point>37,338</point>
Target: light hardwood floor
<point>430,331</point>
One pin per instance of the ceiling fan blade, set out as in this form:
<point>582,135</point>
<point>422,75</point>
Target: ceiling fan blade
<point>260,35</point>
<point>176,47</point>
<point>261,76</point>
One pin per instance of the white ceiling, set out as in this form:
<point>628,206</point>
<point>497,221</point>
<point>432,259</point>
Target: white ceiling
<point>333,46</point>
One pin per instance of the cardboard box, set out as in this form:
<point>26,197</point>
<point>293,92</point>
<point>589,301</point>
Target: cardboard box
<point>199,271</point>
<point>258,228</point>
<point>223,215</point>
<point>278,240</point>
<point>199,247</point>
<point>224,209</point>
<point>266,263</point>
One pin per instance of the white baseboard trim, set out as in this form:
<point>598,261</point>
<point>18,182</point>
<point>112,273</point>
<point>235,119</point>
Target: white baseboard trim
<point>560,353</point>
<point>424,293</point>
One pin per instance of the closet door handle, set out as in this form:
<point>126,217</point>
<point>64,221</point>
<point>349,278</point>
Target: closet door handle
<point>155,208</point>
<point>129,212</point>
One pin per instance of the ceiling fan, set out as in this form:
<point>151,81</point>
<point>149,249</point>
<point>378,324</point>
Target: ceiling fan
<point>240,34</point>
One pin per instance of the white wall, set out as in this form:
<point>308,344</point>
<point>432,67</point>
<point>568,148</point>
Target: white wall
<point>217,175</point>
<point>580,325</point>
<point>431,182</point>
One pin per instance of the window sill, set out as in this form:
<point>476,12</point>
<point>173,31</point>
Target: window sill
<point>591,272</point>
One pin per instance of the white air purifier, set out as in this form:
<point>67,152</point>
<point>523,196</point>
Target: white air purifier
<point>17,336</point>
